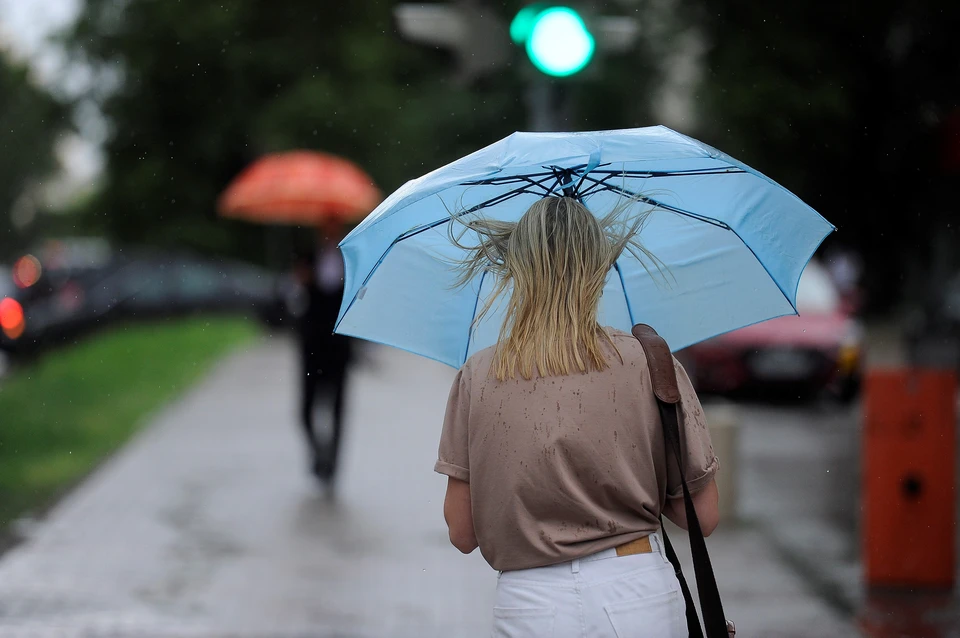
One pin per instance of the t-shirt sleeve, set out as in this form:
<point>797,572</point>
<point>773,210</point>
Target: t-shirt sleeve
<point>453,458</point>
<point>700,462</point>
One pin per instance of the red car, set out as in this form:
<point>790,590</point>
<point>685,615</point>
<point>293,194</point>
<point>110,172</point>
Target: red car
<point>817,351</point>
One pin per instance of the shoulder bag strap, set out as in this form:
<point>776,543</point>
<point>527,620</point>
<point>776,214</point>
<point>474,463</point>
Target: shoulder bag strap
<point>663,374</point>
<point>693,621</point>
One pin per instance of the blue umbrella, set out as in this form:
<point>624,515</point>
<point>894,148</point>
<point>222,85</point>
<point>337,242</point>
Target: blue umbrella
<point>733,242</point>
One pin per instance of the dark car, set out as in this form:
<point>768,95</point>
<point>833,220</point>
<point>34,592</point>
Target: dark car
<point>817,351</point>
<point>132,286</point>
<point>11,310</point>
<point>163,285</point>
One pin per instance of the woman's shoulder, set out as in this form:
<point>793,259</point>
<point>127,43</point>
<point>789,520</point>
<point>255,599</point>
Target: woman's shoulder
<point>628,348</point>
<point>622,339</point>
<point>478,364</point>
<point>617,333</point>
<point>632,352</point>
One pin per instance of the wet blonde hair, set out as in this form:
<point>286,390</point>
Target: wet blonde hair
<point>556,258</point>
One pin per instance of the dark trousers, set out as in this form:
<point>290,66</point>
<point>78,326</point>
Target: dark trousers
<point>324,365</point>
<point>325,358</point>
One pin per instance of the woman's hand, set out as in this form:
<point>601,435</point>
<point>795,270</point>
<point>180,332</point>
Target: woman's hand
<point>458,513</point>
<point>705,501</point>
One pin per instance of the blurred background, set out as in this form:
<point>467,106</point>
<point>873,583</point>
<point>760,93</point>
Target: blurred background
<point>128,303</point>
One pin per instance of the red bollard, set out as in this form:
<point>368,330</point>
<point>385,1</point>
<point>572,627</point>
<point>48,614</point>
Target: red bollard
<point>909,477</point>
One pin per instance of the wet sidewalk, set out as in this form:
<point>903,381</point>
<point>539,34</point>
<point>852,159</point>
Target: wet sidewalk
<point>207,525</point>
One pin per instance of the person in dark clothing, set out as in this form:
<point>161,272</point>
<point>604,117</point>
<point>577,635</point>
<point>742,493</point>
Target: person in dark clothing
<point>324,357</point>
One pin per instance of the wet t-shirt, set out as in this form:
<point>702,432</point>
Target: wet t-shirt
<point>562,467</point>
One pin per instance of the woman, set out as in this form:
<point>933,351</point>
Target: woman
<point>553,445</point>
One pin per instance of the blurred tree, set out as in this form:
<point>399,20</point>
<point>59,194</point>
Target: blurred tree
<point>204,88</point>
<point>848,105</point>
<point>30,123</point>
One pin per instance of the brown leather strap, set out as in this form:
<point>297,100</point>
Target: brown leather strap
<point>660,362</point>
<point>664,375</point>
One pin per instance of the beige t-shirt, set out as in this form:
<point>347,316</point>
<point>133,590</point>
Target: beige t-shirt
<point>563,467</point>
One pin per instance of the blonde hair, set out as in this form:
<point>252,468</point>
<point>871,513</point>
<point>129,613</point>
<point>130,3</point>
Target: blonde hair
<point>556,258</point>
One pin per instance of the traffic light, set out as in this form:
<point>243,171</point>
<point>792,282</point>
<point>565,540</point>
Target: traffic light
<point>556,38</point>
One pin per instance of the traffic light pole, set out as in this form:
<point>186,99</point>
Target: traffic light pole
<point>557,40</point>
<point>547,105</point>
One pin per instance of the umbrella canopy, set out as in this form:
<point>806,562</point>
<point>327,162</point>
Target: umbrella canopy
<point>299,187</point>
<point>734,242</point>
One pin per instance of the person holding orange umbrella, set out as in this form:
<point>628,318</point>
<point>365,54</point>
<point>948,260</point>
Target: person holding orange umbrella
<point>312,189</point>
<point>325,357</point>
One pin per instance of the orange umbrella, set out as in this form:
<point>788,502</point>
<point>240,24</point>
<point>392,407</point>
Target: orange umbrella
<point>300,187</point>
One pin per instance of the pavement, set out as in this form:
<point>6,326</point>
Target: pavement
<point>800,479</point>
<point>207,525</point>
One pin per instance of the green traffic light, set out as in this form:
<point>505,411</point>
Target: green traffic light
<point>523,22</point>
<point>558,41</point>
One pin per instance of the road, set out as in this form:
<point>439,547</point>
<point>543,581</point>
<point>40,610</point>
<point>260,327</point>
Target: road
<point>799,482</point>
<point>800,486</point>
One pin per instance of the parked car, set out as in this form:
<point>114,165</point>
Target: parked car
<point>164,285</point>
<point>817,351</point>
<point>134,286</point>
<point>6,282</point>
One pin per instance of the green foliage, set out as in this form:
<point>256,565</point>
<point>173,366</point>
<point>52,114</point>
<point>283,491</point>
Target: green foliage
<point>30,122</point>
<point>205,88</point>
<point>208,87</point>
<point>63,414</point>
<point>847,105</point>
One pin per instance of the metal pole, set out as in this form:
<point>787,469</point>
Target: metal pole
<point>543,105</point>
<point>548,106</point>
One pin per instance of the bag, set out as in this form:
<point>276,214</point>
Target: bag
<point>664,376</point>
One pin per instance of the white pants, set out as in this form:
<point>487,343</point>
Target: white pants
<point>599,596</point>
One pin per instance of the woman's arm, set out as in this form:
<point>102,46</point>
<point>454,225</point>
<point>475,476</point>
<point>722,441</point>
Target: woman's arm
<point>705,501</point>
<point>458,514</point>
